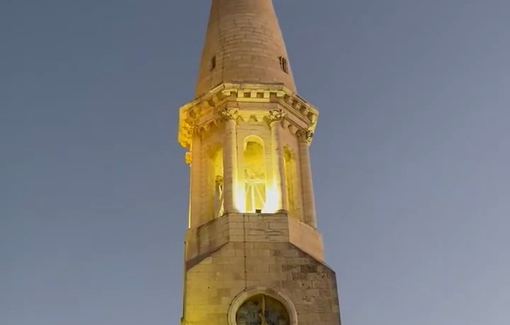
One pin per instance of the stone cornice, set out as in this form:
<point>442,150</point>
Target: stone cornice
<point>210,108</point>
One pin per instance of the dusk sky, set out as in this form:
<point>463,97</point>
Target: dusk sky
<point>410,158</point>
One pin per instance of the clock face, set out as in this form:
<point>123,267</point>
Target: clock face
<point>262,310</point>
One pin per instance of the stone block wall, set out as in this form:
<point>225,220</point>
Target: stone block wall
<point>245,39</point>
<point>212,284</point>
<point>252,228</point>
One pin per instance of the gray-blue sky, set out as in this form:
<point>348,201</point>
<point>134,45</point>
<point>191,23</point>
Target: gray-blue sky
<point>410,158</point>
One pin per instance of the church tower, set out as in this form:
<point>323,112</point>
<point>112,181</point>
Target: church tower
<point>253,254</point>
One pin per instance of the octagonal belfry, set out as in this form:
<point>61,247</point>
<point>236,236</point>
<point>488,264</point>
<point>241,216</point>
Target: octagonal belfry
<point>253,254</point>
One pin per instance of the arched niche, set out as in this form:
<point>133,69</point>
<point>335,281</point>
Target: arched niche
<point>215,181</point>
<point>254,173</point>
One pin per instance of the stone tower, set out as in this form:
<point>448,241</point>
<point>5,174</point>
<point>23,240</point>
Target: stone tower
<point>253,254</point>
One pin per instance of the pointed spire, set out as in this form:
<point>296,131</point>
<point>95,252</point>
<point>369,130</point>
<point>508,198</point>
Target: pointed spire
<point>243,44</point>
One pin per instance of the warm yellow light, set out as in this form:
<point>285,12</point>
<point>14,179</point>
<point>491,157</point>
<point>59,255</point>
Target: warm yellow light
<point>239,199</point>
<point>272,199</point>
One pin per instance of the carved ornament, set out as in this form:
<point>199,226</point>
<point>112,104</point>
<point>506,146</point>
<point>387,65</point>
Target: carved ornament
<point>276,115</point>
<point>205,109</point>
<point>305,135</point>
<point>188,158</point>
<point>229,114</point>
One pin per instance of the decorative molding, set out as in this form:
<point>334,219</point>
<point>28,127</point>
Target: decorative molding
<point>188,158</point>
<point>209,108</point>
<point>305,135</point>
<point>228,114</point>
<point>276,115</point>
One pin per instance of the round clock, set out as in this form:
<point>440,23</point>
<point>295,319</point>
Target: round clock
<point>262,310</point>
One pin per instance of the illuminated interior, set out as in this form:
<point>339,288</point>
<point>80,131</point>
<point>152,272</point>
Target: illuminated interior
<point>254,172</point>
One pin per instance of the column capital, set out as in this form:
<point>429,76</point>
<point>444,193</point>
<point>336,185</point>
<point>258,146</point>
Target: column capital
<point>195,129</point>
<point>276,115</point>
<point>305,135</point>
<point>229,114</point>
<point>229,159</point>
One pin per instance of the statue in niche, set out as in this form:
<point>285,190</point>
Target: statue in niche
<point>218,196</point>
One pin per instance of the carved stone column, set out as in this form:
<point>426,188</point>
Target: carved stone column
<point>305,136</point>
<point>275,117</point>
<point>230,159</point>
<point>188,160</point>
<point>194,158</point>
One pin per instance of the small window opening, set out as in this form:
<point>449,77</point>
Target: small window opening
<point>213,63</point>
<point>284,65</point>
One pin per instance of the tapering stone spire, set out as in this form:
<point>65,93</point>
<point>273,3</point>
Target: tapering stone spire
<point>243,44</point>
<point>253,253</point>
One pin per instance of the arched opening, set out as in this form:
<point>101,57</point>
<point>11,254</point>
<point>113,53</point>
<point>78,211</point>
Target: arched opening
<point>289,159</point>
<point>254,172</point>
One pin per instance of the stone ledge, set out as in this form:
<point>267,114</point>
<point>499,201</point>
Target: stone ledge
<point>201,242</point>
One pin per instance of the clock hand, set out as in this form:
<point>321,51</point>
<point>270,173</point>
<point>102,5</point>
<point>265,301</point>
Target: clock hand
<point>263,314</point>
<point>265,320</point>
<point>262,319</point>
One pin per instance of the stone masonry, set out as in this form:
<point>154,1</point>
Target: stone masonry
<point>252,222</point>
<point>214,282</point>
<point>244,38</point>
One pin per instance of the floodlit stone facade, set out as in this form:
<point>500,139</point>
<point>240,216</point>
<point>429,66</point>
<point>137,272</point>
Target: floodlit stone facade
<point>253,254</point>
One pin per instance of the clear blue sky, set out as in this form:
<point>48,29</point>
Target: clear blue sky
<point>410,160</point>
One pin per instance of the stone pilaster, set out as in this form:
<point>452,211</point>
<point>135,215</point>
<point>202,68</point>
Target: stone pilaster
<point>305,136</point>
<point>188,160</point>
<point>275,117</point>
<point>230,159</point>
<point>195,160</point>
